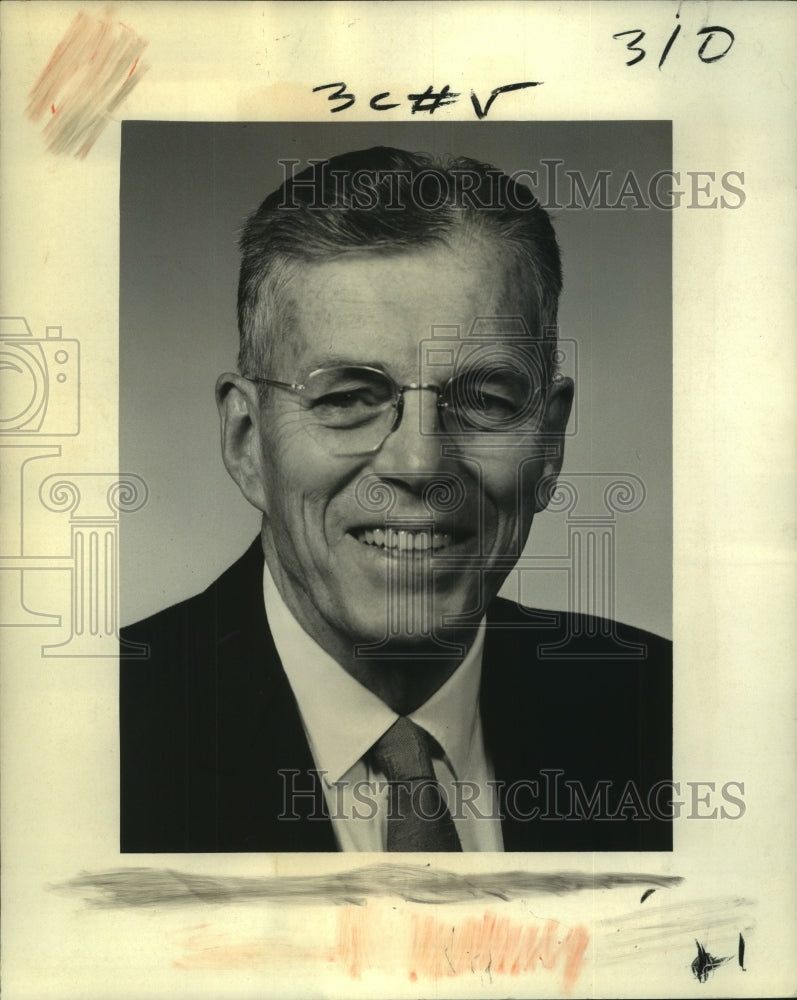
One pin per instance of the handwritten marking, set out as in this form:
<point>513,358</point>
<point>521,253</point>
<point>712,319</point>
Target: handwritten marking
<point>430,100</point>
<point>710,32</point>
<point>741,953</point>
<point>91,72</point>
<point>481,112</point>
<point>339,95</point>
<point>646,893</point>
<point>427,102</point>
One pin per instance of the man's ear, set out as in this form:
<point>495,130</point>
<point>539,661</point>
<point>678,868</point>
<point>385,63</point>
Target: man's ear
<point>241,448</point>
<point>557,413</point>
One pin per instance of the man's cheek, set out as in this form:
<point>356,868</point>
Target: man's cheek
<point>509,491</point>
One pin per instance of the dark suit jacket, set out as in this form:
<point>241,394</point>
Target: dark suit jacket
<point>208,722</point>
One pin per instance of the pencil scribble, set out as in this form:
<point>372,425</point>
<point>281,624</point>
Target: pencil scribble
<point>136,887</point>
<point>669,928</point>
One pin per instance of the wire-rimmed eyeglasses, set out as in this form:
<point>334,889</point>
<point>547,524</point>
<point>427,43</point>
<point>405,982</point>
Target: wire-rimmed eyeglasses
<point>357,407</point>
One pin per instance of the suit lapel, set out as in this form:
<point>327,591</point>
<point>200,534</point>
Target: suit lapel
<point>508,705</point>
<point>260,737</point>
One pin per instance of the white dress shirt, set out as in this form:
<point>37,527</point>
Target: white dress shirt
<point>343,719</point>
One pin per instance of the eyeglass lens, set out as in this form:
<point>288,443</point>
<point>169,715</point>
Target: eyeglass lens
<point>357,406</point>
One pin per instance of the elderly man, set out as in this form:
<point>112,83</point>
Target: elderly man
<point>353,682</point>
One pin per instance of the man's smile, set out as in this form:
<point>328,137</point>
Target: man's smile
<point>403,539</point>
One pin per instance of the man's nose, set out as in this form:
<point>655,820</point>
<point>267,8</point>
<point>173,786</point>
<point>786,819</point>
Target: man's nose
<point>414,448</point>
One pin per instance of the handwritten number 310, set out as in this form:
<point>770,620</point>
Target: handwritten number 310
<point>702,52</point>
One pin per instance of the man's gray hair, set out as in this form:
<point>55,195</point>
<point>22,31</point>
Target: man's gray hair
<point>386,200</point>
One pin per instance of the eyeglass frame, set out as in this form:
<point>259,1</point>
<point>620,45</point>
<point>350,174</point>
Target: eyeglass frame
<point>398,392</point>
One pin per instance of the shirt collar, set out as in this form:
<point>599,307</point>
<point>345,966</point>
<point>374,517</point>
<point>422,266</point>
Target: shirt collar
<point>343,719</point>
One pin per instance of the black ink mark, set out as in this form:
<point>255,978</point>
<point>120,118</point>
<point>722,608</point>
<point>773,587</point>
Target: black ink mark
<point>376,102</point>
<point>430,101</point>
<point>741,954</point>
<point>632,45</point>
<point>646,893</point>
<point>710,32</point>
<point>482,112</point>
<point>340,95</point>
<point>668,46</point>
<point>135,887</point>
<point>705,963</point>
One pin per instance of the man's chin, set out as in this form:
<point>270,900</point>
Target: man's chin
<point>412,625</point>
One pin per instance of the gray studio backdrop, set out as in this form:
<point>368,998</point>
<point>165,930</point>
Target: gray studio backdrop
<point>186,188</point>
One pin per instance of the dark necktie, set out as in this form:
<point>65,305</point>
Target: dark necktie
<point>418,817</point>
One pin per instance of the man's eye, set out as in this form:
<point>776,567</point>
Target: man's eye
<point>345,400</point>
<point>490,402</point>
<point>487,412</point>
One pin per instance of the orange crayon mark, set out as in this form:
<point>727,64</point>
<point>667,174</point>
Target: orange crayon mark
<point>495,945</point>
<point>418,946</point>
<point>354,946</point>
<point>91,72</point>
<point>206,947</point>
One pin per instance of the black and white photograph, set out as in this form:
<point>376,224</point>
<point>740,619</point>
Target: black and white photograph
<point>407,402</point>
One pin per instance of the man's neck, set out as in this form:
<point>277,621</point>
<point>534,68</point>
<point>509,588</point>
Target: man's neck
<point>404,675</point>
<point>403,684</point>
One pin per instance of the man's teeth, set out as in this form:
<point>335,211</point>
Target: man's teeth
<point>403,540</point>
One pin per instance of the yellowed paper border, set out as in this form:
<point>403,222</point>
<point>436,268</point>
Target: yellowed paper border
<point>734,487</point>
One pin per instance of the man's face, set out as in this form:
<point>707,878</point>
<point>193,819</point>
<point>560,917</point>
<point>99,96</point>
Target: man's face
<point>327,534</point>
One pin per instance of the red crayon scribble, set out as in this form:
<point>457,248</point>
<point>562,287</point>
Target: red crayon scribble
<point>93,69</point>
